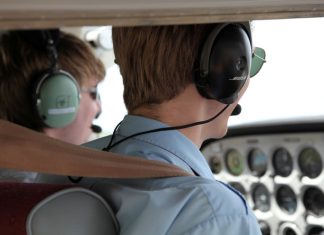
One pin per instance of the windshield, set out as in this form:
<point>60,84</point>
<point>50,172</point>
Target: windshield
<point>289,86</point>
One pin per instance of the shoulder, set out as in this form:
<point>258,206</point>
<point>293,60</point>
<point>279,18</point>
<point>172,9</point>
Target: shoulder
<point>184,205</point>
<point>222,198</point>
<point>98,143</point>
<point>214,207</point>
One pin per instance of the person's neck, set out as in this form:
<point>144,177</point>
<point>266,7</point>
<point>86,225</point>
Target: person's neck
<point>188,107</point>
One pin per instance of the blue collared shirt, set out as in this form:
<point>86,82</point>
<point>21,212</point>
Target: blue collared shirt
<point>177,205</point>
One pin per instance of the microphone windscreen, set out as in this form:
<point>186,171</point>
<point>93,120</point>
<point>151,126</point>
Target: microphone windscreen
<point>237,110</point>
<point>96,128</point>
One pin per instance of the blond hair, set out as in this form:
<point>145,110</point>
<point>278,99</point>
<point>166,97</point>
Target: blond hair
<point>157,62</point>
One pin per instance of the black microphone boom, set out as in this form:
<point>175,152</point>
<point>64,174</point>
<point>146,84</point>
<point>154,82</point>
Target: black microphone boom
<point>96,128</point>
<point>237,110</point>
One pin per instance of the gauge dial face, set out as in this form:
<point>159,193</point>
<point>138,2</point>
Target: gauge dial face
<point>286,199</point>
<point>314,201</point>
<point>310,162</point>
<point>317,230</point>
<point>234,162</point>
<point>239,187</point>
<point>258,162</point>
<point>261,198</point>
<point>215,164</point>
<point>282,162</point>
<point>289,231</point>
<point>265,228</point>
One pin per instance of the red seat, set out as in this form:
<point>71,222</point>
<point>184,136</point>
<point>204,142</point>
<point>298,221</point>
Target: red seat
<point>17,200</point>
<point>47,209</point>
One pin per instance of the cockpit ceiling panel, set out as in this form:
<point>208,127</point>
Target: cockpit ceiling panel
<point>43,14</point>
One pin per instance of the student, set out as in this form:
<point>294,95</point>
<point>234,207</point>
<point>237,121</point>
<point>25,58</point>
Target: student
<point>48,83</point>
<point>25,60</point>
<point>181,84</point>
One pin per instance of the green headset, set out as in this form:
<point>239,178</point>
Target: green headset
<point>56,94</point>
<point>56,99</point>
<point>226,60</point>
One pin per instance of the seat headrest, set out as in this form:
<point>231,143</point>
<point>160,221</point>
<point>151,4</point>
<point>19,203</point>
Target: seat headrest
<point>72,211</point>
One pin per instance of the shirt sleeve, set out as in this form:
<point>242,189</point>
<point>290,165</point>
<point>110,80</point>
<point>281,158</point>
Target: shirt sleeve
<point>221,211</point>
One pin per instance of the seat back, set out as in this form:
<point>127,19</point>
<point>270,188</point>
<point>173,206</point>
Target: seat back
<point>43,209</point>
<point>27,150</point>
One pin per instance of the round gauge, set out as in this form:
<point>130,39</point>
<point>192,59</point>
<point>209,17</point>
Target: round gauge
<point>234,162</point>
<point>265,228</point>
<point>314,201</point>
<point>215,164</point>
<point>282,162</point>
<point>239,187</point>
<point>257,162</point>
<point>310,162</point>
<point>317,230</point>
<point>286,199</point>
<point>289,229</point>
<point>261,198</point>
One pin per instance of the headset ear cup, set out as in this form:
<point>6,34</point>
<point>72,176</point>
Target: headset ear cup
<point>57,99</point>
<point>225,61</point>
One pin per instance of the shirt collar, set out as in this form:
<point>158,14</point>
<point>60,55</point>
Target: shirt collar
<point>173,141</point>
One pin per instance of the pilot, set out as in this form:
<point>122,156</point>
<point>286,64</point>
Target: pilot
<point>48,83</point>
<point>181,84</point>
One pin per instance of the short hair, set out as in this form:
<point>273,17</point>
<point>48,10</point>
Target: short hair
<point>21,64</point>
<point>157,62</point>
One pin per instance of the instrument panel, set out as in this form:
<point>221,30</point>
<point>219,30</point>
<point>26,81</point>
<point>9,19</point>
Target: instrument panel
<point>280,175</point>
